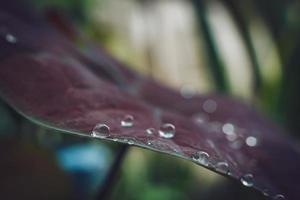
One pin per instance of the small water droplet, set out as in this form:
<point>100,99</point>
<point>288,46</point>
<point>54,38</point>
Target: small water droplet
<point>222,167</point>
<point>251,141</point>
<point>209,106</point>
<point>150,143</point>
<point>228,129</point>
<point>247,180</point>
<point>101,131</point>
<point>266,192</point>
<point>187,91</point>
<point>150,131</point>
<point>10,38</point>
<point>201,157</point>
<point>130,142</point>
<point>279,197</point>
<point>167,131</point>
<point>127,121</point>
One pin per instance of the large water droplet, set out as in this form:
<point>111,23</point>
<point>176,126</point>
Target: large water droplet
<point>209,106</point>
<point>167,131</point>
<point>251,141</point>
<point>201,157</point>
<point>101,131</point>
<point>127,121</point>
<point>222,167</point>
<point>279,197</point>
<point>247,180</point>
<point>150,131</point>
<point>266,192</point>
<point>10,38</point>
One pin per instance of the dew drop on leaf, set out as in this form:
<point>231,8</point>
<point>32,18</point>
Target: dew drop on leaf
<point>101,131</point>
<point>265,192</point>
<point>201,157</point>
<point>127,121</point>
<point>10,38</point>
<point>150,131</point>
<point>209,106</point>
<point>247,180</point>
<point>228,129</point>
<point>167,131</point>
<point>251,141</point>
<point>130,142</point>
<point>222,167</point>
<point>279,197</point>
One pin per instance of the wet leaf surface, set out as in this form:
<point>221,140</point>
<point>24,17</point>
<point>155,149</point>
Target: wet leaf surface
<point>45,77</point>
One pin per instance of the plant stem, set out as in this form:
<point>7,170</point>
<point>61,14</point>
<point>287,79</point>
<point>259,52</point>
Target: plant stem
<point>112,174</point>
<point>216,63</point>
<point>243,29</point>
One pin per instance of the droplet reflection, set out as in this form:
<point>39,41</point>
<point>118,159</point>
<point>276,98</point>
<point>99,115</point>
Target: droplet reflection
<point>101,131</point>
<point>167,131</point>
<point>251,141</point>
<point>201,157</point>
<point>247,180</point>
<point>127,121</point>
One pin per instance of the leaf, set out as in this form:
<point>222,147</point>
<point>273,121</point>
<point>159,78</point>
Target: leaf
<point>49,80</point>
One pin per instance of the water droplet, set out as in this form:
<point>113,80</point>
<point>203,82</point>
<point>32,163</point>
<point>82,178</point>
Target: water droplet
<point>222,167</point>
<point>187,91</point>
<point>251,141</point>
<point>10,38</point>
<point>247,180</point>
<point>130,142</point>
<point>201,157</point>
<point>266,192</point>
<point>228,129</point>
<point>167,131</point>
<point>127,121</point>
<point>101,131</point>
<point>150,131</point>
<point>150,143</point>
<point>209,106</point>
<point>279,197</point>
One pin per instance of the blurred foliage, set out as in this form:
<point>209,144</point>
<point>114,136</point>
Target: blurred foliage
<point>77,9</point>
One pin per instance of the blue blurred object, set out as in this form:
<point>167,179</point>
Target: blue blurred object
<point>87,164</point>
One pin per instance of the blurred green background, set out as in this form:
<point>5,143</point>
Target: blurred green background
<point>248,49</point>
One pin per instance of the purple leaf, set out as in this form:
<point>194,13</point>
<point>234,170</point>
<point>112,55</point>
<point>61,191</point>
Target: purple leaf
<point>50,81</point>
